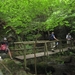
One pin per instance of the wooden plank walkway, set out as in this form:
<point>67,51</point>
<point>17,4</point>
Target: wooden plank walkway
<point>41,54</point>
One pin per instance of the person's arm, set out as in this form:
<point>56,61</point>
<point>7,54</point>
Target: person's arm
<point>9,51</point>
<point>55,38</point>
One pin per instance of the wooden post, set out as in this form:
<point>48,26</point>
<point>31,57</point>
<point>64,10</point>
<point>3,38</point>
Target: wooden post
<point>35,57</point>
<point>45,52</point>
<point>60,48</point>
<point>46,48</point>
<point>71,44</point>
<point>24,56</point>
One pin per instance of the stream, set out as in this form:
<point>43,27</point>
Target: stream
<point>66,67</point>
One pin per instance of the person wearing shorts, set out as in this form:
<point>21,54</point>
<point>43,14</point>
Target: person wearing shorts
<point>69,39</point>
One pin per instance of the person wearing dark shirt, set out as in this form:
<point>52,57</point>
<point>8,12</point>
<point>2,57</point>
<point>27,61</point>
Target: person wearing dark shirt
<point>53,43</point>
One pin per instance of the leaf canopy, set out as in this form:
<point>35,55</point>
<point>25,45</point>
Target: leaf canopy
<point>29,15</point>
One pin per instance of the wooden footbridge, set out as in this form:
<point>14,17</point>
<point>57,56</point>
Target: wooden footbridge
<point>46,49</point>
<point>34,47</point>
<point>41,54</point>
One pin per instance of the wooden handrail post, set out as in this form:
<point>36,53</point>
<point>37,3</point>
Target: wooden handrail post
<point>46,48</point>
<point>61,48</point>
<point>35,57</point>
<point>24,56</point>
<point>71,44</point>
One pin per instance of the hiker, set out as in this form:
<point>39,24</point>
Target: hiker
<point>53,43</point>
<point>69,40</point>
<point>4,48</point>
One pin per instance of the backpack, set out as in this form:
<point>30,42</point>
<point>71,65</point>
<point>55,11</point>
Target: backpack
<point>3,47</point>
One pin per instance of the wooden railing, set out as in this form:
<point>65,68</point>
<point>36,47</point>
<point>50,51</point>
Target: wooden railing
<point>46,46</point>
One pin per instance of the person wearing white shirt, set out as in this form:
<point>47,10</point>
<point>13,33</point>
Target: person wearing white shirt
<point>68,38</point>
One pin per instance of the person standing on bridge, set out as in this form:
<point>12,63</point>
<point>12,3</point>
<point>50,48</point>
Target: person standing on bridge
<point>53,43</point>
<point>69,40</point>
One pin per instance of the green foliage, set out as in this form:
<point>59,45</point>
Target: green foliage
<point>13,67</point>
<point>26,16</point>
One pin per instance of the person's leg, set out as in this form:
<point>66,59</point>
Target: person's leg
<point>10,54</point>
<point>69,44</point>
<point>52,45</point>
<point>2,52</point>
